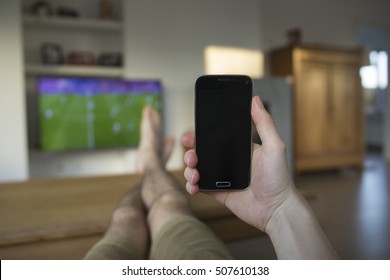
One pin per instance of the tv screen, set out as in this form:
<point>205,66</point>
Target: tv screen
<point>91,113</point>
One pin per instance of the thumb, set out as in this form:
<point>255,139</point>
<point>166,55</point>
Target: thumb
<point>264,124</point>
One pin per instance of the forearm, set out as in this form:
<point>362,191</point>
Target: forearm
<point>296,234</point>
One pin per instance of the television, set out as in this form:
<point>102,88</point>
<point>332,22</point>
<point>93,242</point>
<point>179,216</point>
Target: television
<point>92,113</point>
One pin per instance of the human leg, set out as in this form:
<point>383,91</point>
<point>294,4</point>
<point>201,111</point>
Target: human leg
<point>174,230</point>
<point>127,235</point>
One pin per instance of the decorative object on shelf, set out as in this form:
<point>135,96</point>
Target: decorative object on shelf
<point>294,36</point>
<point>106,10</point>
<point>41,8</point>
<point>110,59</point>
<point>51,53</point>
<point>67,12</point>
<point>81,58</point>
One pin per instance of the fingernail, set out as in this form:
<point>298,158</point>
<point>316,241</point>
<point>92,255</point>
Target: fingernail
<point>186,158</point>
<point>258,101</point>
<point>186,173</point>
<point>189,188</point>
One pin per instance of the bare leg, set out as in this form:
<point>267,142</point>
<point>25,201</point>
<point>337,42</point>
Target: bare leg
<point>129,220</point>
<point>160,192</point>
<point>165,200</point>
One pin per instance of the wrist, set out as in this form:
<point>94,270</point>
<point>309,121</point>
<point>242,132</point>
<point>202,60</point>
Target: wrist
<point>291,209</point>
<point>296,233</point>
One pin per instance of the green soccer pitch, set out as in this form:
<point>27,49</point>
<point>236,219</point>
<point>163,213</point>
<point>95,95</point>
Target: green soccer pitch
<point>70,122</point>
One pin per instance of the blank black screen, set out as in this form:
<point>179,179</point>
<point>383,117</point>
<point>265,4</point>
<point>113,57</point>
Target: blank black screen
<point>223,130</point>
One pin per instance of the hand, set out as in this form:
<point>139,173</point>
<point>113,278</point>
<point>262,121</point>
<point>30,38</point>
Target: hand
<point>271,184</point>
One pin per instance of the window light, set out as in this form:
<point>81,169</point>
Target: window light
<point>376,74</point>
<point>228,60</point>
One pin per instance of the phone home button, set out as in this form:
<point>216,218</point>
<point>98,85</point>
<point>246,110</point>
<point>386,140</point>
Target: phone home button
<point>223,184</point>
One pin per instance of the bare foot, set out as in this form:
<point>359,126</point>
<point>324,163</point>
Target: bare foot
<point>153,153</point>
<point>154,150</point>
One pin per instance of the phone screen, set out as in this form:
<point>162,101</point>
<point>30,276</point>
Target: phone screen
<point>223,131</point>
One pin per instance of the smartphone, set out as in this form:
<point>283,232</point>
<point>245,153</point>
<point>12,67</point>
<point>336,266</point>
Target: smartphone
<point>223,131</point>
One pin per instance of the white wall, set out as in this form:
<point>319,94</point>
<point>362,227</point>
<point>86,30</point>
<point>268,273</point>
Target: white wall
<point>332,22</point>
<point>166,40</point>
<point>13,142</point>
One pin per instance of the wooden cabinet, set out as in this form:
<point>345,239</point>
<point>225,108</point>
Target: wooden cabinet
<point>328,105</point>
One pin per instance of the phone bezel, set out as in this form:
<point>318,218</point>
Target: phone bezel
<point>219,82</point>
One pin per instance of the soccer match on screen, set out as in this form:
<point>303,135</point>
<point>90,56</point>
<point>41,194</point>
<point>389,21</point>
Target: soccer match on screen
<point>90,113</point>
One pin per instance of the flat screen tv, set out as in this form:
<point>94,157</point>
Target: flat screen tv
<point>92,113</point>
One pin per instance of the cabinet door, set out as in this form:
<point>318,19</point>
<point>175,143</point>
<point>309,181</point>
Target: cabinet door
<point>312,89</point>
<point>345,109</point>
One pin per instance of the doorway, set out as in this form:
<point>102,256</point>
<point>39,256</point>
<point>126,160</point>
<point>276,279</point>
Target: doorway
<point>374,75</point>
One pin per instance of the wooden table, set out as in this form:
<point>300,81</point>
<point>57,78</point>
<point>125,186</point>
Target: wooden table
<point>62,218</point>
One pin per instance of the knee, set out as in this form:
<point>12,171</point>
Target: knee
<point>173,198</point>
<point>173,201</point>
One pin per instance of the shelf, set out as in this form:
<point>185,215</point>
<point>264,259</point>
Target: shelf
<point>74,23</point>
<point>70,70</point>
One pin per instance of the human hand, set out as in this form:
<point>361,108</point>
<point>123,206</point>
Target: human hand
<point>271,184</point>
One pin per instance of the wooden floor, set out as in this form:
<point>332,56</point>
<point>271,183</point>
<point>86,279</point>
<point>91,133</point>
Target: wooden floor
<point>353,208</point>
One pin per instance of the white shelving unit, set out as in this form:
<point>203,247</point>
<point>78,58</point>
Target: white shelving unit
<point>79,25</point>
<point>56,22</point>
<point>69,70</point>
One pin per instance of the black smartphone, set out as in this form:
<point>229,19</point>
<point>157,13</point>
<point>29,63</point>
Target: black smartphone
<point>223,131</point>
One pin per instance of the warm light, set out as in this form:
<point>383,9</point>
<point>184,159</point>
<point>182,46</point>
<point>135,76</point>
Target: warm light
<point>227,60</point>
